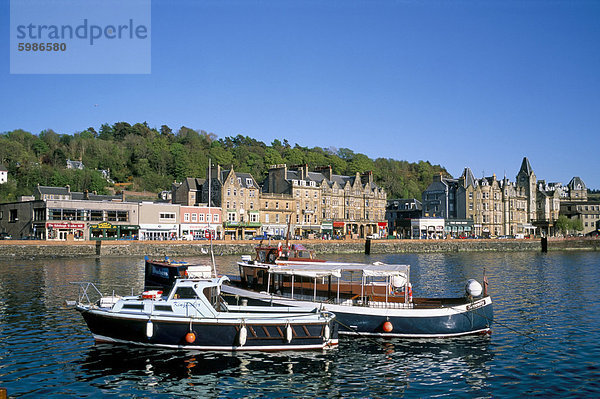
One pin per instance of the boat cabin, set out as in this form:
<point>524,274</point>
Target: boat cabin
<point>340,283</point>
<point>191,297</point>
<point>281,253</point>
<point>161,274</point>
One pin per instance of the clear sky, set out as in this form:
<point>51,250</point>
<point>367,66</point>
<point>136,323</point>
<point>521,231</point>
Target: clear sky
<point>458,83</point>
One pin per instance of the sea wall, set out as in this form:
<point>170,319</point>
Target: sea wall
<point>26,249</point>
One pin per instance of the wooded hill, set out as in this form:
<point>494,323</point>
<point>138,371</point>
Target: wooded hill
<point>142,158</point>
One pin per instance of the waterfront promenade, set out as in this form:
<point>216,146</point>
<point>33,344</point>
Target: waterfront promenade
<point>26,249</point>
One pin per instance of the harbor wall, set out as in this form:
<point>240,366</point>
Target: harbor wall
<point>27,249</point>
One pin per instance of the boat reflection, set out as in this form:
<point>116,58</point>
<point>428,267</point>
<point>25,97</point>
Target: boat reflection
<point>111,359</point>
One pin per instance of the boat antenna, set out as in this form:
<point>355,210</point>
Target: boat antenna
<point>287,236</point>
<point>212,253</point>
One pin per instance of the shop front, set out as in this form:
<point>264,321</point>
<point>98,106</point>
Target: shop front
<point>241,230</point>
<point>459,228</point>
<point>109,231</point>
<point>202,231</point>
<point>65,231</point>
<point>158,232</point>
<point>382,227</point>
<point>327,229</point>
<point>338,229</point>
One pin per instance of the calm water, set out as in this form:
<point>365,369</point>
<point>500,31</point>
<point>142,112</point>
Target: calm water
<point>546,341</point>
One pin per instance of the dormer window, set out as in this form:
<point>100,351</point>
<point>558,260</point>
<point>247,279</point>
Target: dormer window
<point>249,182</point>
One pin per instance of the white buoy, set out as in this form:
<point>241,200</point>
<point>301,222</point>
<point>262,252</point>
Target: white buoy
<point>398,281</point>
<point>327,333</point>
<point>242,336</point>
<point>288,333</point>
<point>149,329</point>
<point>473,288</point>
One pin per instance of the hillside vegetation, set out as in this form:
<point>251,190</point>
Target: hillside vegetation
<point>142,158</point>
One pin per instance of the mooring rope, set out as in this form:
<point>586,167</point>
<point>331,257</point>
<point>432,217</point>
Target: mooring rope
<point>354,330</point>
<point>492,321</point>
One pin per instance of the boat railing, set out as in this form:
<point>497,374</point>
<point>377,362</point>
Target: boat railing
<point>198,312</point>
<point>87,289</point>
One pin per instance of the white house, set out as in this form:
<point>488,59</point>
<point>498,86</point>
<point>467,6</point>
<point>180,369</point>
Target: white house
<point>3,174</point>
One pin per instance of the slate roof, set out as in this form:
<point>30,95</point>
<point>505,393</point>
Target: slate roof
<point>526,167</point>
<point>577,184</point>
<point>469,177</point>
<point>242,176</point>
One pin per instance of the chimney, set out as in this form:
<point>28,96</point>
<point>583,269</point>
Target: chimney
<point>68,187</point>
<point>325,170</point>
<point>367,177</point>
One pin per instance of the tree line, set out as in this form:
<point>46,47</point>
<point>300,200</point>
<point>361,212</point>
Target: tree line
<point>144,158</point>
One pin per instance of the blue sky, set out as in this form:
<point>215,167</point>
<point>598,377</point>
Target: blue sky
<point>458,83</point>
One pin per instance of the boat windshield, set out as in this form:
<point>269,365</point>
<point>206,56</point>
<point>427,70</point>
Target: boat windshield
<point>185,293</point>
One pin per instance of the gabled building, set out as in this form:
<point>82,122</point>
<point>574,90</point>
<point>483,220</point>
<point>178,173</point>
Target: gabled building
<point>577,189</point>
<point>75,165</point>
<point>576,206</point>
<point>527,182</point>
<point>237,194</point>
<point>330,204</point>
<point>188,192</point>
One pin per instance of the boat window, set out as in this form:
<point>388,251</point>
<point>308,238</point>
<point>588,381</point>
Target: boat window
<point>185,293</point>
<point>261,256</point>
<point>136,306</point>
<point>163,308</point>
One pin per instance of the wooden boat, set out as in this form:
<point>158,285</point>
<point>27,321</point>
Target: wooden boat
<point>194,316</point>
<point>161,273</point>
<point>368,299</point>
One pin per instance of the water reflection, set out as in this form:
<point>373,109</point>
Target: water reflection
<point>544,340</point>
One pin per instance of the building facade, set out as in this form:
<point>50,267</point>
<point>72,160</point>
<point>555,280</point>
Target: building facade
<point>276,213</point>
<point>399,213</point>
<point>328,204</point>
<point>200,222</point>
<point>237,194</point>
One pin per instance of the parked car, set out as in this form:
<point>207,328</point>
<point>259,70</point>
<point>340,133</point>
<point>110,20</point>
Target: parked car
<point>5,236</point>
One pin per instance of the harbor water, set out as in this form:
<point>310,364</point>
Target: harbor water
<point>545,340</point>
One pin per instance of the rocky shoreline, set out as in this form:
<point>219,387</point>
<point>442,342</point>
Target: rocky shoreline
<point>47,249</point>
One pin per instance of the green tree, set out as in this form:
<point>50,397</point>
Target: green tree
<point>563,224</point>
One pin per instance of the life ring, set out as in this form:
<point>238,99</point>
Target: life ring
<point>410,297</point>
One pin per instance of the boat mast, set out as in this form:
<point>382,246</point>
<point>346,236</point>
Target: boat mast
<point>212,253</point>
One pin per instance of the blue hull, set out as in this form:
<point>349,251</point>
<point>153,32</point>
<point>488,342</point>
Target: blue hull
<point>208,336</point>
<point>453,317</point>
<point>477,321</point>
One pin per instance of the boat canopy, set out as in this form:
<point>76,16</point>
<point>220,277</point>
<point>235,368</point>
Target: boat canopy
<point>320,269</point>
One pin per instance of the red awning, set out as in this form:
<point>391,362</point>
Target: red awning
<point>338,224</point>
<point>382,224</point>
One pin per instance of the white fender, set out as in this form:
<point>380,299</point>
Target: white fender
<point>288,333</point>
<point>327,333</point>
<point>242,336</point>
<point>149,329</point>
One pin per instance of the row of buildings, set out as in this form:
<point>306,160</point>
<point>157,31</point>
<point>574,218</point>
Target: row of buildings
<point>233,205</point>
<point>489,206</point>
<point>228,204</point>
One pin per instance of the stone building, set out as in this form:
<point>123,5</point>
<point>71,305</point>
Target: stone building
<point>237,194</point>
<point>483,207</point>
<point>188,192</point>
<point>276,210</point>
<point>328,203</point>
<point>527,183</point>
<point>576,206</point>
